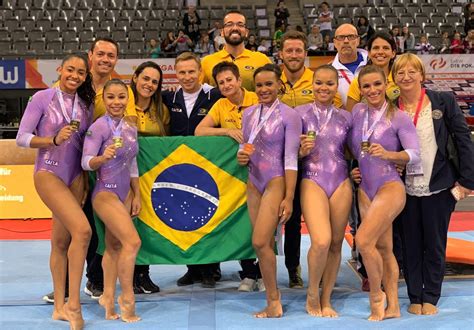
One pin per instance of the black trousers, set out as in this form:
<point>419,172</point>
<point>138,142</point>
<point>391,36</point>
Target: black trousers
<point>424,228</point>
<point>205,270</point>
<point>292,243</point>
<point>250,269</point>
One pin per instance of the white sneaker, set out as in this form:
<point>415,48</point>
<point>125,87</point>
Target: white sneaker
<point>247,285</point>
<point>260,285</point>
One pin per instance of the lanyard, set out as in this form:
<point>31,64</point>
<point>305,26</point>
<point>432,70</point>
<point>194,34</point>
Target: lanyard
<point>418,106</point>
<point>366,133</point>
<point>328,118</point>
<point>116,131</point>
<point>258,128</point>
<point>63,106</point>
<point>344,74</point>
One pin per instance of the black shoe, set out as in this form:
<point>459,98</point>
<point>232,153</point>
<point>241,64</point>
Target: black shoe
<point>187,279</point>
<point>208,282</point>
<point>94,290</point>
<point>144,284</point>
<point>295,280</point>
<point>50,296</point>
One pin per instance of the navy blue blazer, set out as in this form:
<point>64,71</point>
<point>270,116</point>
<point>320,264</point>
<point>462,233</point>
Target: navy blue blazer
<point>449,119</point>
<point>180,124</point>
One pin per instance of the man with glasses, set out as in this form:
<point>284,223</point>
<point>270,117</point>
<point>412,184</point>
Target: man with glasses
<point>235,32</point>
<point>348,61</point>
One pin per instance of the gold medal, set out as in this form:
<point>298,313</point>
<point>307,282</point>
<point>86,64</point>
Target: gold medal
<point>249,148</point>
<point>311,135</point>
<point>364,146</point>
<point>75,123</point>
<point>118,141</point>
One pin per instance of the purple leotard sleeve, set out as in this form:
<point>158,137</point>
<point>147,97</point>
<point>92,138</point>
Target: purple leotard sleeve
<point>113,176</point>
<point>276,145</point>
<point>393,134</point>
<point>44,118</point>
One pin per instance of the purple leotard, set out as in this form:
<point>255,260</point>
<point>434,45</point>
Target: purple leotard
<point>326,165</point>
<point>113,176</point>
<point>276,145</point>
<point>395,134</point>
<point>44,118</point>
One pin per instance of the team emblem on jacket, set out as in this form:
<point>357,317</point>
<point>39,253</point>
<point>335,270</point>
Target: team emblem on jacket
<point>306,92</point>
<point>437,114</point>
<point>249,68</point>
<point>202,112</point>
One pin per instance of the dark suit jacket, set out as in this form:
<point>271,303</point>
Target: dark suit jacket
<point>449,119</point>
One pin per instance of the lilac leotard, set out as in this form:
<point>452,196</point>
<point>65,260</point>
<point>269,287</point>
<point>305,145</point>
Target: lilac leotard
<point>44,118</point>
<point>395,134</point>
<point>113,176</point>
<point>326,165</point>
<point>276,145</point>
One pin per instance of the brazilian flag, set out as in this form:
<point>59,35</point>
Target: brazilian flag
<point>193,196</point>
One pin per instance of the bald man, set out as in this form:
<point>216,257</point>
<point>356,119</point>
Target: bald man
<point>348,61</point>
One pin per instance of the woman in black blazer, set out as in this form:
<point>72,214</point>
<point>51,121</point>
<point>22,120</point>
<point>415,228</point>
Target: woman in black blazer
<point>445,176</point>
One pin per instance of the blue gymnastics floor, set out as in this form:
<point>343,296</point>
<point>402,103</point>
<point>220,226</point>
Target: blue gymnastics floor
<point>25,278</point>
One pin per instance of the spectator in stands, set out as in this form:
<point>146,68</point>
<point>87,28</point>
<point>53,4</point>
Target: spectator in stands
<point>391,140</point>
<point>252,43</point>
<point>271,149</point>
<point>365,31</point>
<point>183,43</point>
<point>326,192</point>
<point>265,46</point>
<point>216,30</point>
<point>327,44</point>
<point>204,45</point>
<point>424,46</point>
<point>408,39</point>
<point>281,14</point>
<point>153,48</point>
<point>382,52</point>
<point>469,42</point>
<point>55,121</point>
<point>349,60</point>
<point>297,80</point>
<point>168,46</point>
<point>469,22</point>
<point>110,149</point>
<point>457,46</point>
<point>188,105</point>
<point>468,16</point>
<point>191,22</point>
<point>431,196</point>
<point>315,39</point>
<point>395,33</point>
<point>235,31</point>
<point>324,19</point>
<point>445,43</point>
<point>278,34</point>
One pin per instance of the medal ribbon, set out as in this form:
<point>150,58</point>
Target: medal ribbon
<point>418,106</point>
<point>366,133</point>
<point>255,130</point>
<point>75,106</point>
<point>328,118</point>
<point>116,131</point>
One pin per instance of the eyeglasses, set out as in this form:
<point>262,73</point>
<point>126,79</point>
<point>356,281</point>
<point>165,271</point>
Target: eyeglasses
<point>411,74</point>
<point>240,25</point>
<point>349,37</point>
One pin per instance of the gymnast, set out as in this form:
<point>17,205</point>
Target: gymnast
<point>382,136</point>
<point>55,122</point>
<point>110,147</point>
<point>271,139</point>
<point>326,192</point>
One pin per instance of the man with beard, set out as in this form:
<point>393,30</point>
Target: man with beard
<point>235,32</point>
<point>348,61</point>
<point>298,81</point>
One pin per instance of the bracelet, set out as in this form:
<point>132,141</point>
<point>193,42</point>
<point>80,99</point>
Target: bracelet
<point>54,141</point>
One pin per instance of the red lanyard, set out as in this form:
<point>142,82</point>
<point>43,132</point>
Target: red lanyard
<point>344,74</point>
<point>418,107</point>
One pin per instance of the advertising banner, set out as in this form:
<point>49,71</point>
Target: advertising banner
<point>12,74</point>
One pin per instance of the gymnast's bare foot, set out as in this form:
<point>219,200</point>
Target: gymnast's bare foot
<point>392,312</point>
<point>127,309</point>
<point>377,306</point>
<point>74,316</point>
<point>59,314</point>
<point>429,309</point>
<point>414,309</point>
<point>328,311</point>
<point>109,307</point>
<point>274,309</point>
<point>313,305</point>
